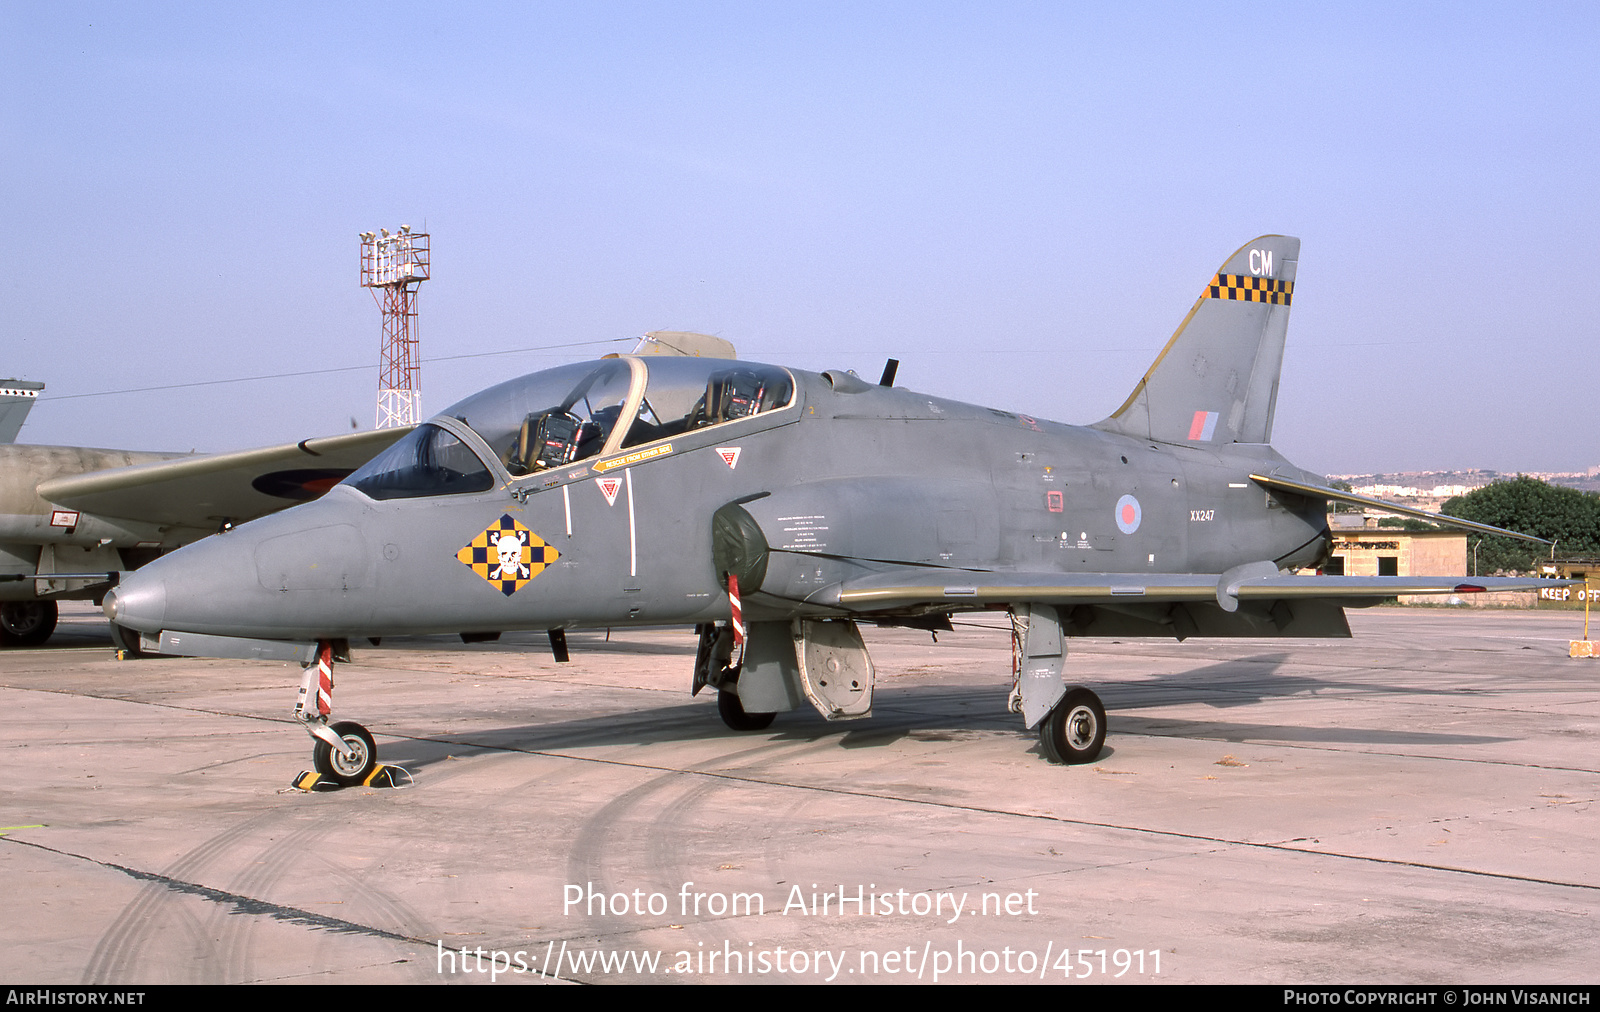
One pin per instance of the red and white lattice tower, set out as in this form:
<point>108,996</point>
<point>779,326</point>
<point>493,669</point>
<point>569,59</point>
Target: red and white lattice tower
<point>397,264</point>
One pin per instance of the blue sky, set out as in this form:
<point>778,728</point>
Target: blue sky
<point>1018,201</point>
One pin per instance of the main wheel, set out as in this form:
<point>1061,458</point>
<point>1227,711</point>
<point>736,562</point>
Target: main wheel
<point>335,765</point>
<point>1075,730</point>
<point>27,623</point>
<point>733,713</point>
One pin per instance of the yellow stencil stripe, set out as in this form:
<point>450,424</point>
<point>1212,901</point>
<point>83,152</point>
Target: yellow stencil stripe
<point>633,458</point>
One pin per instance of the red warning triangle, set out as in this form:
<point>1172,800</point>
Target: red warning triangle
<point>609,488</point>
<point>729,455</point>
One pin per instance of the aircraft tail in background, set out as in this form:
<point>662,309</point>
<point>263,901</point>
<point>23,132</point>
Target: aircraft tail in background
<point>16,400</point>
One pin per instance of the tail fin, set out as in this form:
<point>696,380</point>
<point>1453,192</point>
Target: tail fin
<point>16,400</point>
<point>1216,381</point>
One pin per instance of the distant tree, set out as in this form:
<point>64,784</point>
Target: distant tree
<point>1569,517</point>
<point>1334,506</point>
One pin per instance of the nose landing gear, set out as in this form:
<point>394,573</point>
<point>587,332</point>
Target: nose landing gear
<point>344,752</point>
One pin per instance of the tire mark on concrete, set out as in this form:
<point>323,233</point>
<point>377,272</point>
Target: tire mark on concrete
<point>116,954</point>
<point>114,957</point>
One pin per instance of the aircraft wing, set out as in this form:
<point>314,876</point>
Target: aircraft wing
<point>1259,581</point>
<point>202,491</point>
<point>1323,492</point>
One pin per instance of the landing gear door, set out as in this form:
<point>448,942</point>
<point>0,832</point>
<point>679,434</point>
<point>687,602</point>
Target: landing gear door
<point>1042,650</point>
<point>835,670</point>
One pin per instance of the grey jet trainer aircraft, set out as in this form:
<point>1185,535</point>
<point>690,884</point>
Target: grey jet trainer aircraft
<point>776,510</point>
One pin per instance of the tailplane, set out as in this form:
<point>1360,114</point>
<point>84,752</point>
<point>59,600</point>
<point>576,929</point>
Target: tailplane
<point>1216,381</point>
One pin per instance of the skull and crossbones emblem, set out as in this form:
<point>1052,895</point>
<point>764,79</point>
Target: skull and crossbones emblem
<point>508,545</point>
<point>507,555</point>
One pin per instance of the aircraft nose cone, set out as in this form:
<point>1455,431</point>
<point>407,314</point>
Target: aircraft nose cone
<point>140,602</point>
<point>307,572</point>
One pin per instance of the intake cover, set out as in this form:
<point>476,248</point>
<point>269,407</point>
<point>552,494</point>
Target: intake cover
<point>738,547</point>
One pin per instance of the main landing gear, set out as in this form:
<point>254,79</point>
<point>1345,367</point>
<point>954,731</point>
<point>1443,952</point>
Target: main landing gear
<point>345,752</point>
<point>27,623</point>
<point>733,714</point>
<point>1075,729</point>
<point>827,663</point>
<point>713,666</point>
<point>1070,718</point>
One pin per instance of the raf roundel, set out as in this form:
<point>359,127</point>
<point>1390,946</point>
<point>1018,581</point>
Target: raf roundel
<point>507,555</point>
<point>1128,514</point>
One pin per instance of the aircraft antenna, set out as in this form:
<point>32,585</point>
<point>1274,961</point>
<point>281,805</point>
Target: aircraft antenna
<point>397,264</point>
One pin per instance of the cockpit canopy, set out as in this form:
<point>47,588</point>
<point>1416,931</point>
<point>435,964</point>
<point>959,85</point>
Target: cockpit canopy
<point>560,416</point>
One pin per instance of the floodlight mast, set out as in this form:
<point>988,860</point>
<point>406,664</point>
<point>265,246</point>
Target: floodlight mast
<point>397,264</point>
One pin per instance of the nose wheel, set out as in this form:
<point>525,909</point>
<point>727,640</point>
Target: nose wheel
<point>355,763</point>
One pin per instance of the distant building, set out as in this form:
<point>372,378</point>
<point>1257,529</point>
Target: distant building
<point>1414,492</point>
<point>1362,548</point>
<point>1573,567</point>
<point>1390,551</point>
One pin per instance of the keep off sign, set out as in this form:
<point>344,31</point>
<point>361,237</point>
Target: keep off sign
<point>1568,594</point>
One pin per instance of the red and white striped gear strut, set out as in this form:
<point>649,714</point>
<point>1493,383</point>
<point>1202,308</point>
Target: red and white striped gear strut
<point>738,614</point>
<point>324,678</point>
<point>316,686</point>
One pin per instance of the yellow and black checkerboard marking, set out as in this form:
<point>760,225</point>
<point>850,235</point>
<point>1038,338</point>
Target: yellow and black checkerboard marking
<point>482,555</point>
<point>1242,288</point>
